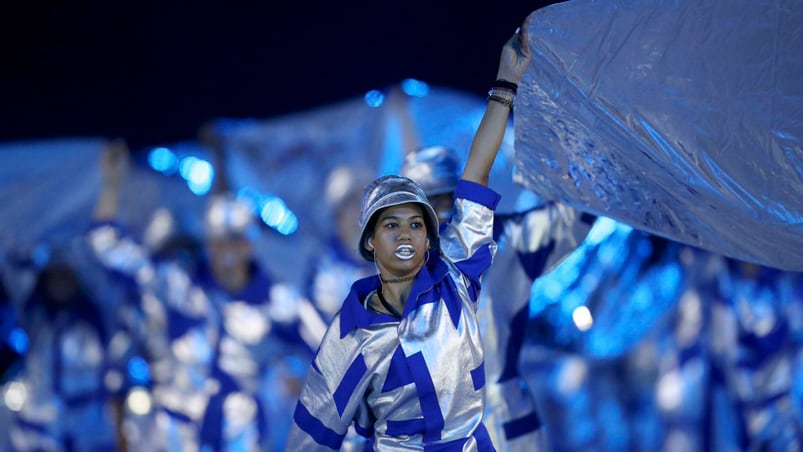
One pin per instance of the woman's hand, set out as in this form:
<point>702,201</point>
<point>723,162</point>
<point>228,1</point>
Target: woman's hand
<point>515,55</point>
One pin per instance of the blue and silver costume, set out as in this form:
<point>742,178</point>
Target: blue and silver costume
<point>220,361</point>
<point>415,383</point>
<point>530,244</point>
<point>63,375</point>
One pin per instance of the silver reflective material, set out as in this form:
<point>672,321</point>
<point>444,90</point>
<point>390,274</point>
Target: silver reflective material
<point>448,350</point>
<point>435,168</point>
<point>682,119</point>
<point>389,191</point>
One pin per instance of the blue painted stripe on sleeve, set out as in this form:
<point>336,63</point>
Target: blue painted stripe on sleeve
<point>315,428</point>
<point>350,381</point>
<point>479,262</point>
<point>407,427</point>
<point>398,372</point>
<point>427,397</point>
<point>477,193</point>
<point>522,426</point>
<point>478,376</point>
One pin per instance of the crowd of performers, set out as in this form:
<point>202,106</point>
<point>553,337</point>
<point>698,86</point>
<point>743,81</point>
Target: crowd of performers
<point>190,344</point>
<point>217,350</point>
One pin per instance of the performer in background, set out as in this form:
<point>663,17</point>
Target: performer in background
<point>340,263</point>
<point>64,366</point>
<point>226,340</point>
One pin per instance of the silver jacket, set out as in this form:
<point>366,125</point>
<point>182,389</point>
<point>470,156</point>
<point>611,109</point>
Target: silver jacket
<point>418,382</point>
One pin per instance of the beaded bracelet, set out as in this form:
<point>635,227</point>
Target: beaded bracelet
<point>504,92</point>
<point>508,102</point>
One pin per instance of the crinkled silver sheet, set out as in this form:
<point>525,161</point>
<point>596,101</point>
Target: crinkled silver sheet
<point>680,118</point>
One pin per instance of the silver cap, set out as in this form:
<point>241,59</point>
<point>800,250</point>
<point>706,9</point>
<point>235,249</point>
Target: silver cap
<point>389,191</point>
<point>435,168</point>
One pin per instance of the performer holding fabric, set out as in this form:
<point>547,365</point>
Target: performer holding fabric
<point>403,360</point>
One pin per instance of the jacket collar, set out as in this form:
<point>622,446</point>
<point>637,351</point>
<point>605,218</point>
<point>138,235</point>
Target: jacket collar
<point>354,315</point>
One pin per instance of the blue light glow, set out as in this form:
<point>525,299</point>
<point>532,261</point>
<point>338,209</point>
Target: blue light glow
<point>374,98</point>
<point>198,173</point>
<point>163,160</point>
<point>271,209</point>
<point>415,88</point>
<point>251,195</point>
<point>275,214</point>
<point>138,370</point>
<point>186,166</point>
<point>18,340</point>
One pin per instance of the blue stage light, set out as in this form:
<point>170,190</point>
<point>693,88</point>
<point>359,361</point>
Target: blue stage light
<point>415,88</point>
<point>374,98</point>
<point>198,173</point>
<point>275,214</point>
<point>138,370</point>
<point>163,160</point>
<point>18,340</point>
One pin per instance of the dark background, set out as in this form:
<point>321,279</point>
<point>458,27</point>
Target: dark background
<point>152,72</point>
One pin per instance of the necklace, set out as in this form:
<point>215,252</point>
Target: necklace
<point>398,280</point>
<point>387,305</point>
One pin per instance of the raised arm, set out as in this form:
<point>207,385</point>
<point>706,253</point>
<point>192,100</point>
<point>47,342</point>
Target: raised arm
<point>488,139</point>
<point>210,137</point>
<point>113,167</point>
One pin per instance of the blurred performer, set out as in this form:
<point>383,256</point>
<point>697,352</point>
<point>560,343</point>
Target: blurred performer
<point>226,340</point>
<point>757,366</point>
<point>340,263</point>
<point>530,244</point>
<point>66,404</point>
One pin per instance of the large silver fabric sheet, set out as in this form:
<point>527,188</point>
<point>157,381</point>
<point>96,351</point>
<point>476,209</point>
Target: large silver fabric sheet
<point>680,118</point>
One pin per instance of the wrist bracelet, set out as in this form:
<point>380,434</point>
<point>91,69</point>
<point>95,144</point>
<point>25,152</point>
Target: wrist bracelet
<point>503,92</point>
<point>502,83</point>
<point>508,102</point>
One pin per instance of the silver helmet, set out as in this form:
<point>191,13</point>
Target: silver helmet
<point>389,191</point>
<point>435,168</point>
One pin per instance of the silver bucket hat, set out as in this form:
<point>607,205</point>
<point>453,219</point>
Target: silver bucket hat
<point>435,168</point>
<point>389,191</point>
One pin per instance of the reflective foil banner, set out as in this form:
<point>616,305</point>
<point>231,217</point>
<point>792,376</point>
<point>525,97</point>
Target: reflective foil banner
<point>680,118</point>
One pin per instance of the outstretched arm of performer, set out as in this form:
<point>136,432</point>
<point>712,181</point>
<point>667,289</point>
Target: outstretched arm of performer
<point>488,139</point>
<point>113,167</point>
